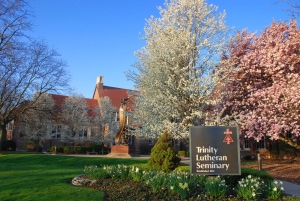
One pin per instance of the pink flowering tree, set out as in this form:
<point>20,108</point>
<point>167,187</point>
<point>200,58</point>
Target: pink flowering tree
<point>262,88</point>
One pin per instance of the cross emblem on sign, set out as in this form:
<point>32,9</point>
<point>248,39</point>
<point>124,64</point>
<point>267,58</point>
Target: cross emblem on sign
<point>228,138</point>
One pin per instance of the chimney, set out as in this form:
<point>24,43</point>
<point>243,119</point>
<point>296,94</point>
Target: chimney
<point>99,79</point>
<point>99,82</point>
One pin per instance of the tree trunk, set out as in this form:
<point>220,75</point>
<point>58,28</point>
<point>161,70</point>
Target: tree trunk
<point>290,142</point>
<point>2,135</point>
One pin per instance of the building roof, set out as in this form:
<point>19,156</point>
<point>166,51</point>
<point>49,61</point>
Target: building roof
<point>115,94</point>
<point>60,99</point>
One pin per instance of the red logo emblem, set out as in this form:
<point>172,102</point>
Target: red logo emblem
<point>228,138</point>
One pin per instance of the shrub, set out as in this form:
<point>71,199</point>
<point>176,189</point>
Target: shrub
<point>183,169</point>
<point>67,150</point>
<point>78,150</point>
<point>29,145</point>
<point>181,153</point>
<point>163,156</point>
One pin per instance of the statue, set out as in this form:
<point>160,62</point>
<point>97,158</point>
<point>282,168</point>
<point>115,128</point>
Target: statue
<point>122,138</point>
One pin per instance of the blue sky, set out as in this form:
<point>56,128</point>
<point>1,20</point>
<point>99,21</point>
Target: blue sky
<point>99,37</point>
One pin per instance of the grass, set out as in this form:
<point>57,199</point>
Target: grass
<point>48,177</point>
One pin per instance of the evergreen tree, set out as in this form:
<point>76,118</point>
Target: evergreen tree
<point>163,156</point>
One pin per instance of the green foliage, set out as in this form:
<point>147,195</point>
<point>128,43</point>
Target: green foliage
<point>215,187</point>
<point>232,180</point>
<point>136,173</point>
<point>249,188</point>
<point>181,153</point>
<point>273,190</point>
<point>91,171</point>
<point>183,168</point>
<point>67,150</point>
<point>163,156</point>
<point>156,180</point>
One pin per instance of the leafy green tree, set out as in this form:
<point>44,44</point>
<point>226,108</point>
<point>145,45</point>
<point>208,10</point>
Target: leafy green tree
<point>163,156</point>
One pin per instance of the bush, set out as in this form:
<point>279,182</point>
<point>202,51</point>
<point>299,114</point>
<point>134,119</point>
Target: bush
<point>77,150</point>
<point>29,145</point>
<point>181,153</point>
<point>66,150</point>
<point>163,156</point>
<point>185,168</point>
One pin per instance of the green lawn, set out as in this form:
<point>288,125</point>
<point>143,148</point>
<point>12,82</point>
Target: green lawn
<point>48,177</point>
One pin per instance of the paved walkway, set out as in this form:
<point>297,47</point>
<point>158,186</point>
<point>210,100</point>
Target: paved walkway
<point>289,188</point>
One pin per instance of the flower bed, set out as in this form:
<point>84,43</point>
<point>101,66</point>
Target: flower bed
<point>135,183</point>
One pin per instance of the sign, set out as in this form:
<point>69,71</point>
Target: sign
<point>214,150</point>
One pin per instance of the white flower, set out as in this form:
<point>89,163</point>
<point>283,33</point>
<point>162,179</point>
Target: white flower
<point>275,182</point>
<point>275,189</point>
<point>282,188</point>
<point>253,194</point>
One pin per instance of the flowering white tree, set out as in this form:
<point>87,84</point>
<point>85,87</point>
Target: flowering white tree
<point>75,119</point>
<point>175,70</point>
<point>38,119</point>
<point>104,122</point>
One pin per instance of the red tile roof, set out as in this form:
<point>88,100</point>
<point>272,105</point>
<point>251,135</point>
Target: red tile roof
<point>60,99</point>
<point>115,94</point>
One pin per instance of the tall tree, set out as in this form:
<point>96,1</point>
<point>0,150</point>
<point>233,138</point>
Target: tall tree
<point>105,122</point>
<point>263,90</point>
<point>174,73</point>
<point>75,119</point>
<point>39,119</point>
<point>26,65</point>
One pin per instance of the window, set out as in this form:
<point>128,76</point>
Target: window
<point>246,143</point>
<point>83,133</point>
<point>261,143</point>
<point>9,127</point>
<point>56,131</point>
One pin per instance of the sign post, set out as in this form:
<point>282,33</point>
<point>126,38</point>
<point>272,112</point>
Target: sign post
<point>214,150</point>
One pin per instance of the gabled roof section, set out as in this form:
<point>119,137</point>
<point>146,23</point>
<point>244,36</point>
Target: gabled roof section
<point>114,93</point>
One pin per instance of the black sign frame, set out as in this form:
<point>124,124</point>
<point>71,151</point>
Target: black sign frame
<point>214,150</point>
